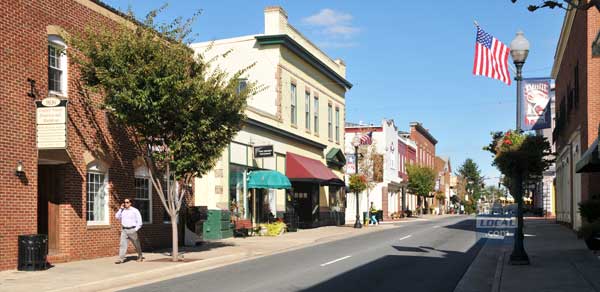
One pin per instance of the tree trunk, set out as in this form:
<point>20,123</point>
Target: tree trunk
<point>518,256</point>
<point>175,238</point>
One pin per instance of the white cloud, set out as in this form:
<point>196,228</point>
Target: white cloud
<point>332,23</point>
<point>336,45</point>
<point>328,17</point>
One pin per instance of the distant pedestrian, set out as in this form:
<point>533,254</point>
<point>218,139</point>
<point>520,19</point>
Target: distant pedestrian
<point>373,215</point>
<point>131,222</point>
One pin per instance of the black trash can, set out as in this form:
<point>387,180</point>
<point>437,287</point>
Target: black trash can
<point>33,250</point>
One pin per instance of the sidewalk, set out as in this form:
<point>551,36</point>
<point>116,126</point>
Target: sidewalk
<point>559,262</point>
<point>103,275</point>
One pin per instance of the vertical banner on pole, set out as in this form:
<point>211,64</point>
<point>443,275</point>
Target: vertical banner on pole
<point>535,104</point>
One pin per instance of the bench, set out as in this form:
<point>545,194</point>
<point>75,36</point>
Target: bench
<point>241,227</point>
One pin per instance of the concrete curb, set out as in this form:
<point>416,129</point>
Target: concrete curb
<point>485,272</point>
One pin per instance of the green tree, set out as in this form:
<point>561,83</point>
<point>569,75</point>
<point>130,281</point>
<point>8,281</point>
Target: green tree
<point>421,182</point>
<point>470,174</point>
<point>181,114</point>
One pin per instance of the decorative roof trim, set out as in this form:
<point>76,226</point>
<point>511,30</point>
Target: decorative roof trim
<point>284,133</point>
<point>565,32</point>
<point>292,45</point>
<point>424,132</point>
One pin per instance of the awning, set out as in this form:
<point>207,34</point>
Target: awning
<point>335,158</point>
<point>268,179</point>
<point>303,169</point>
<point>590,160</point>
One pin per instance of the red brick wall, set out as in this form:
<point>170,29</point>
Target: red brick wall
<point>586,115</point>
<point>425,146</point>
<point>23,55</point>
<point>591,182</point>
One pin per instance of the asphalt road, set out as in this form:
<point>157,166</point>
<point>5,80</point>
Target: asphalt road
<point>422,255</point>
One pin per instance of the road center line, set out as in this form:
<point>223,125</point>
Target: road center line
<point>335,261</point>
<point>405,237</point>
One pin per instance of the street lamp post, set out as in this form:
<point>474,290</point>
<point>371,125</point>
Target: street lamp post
<point>519,49</point>
<point>356,143</point>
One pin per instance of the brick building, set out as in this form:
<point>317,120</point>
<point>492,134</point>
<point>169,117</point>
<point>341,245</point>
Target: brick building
<point>80,165</point>
<point>576,68</point>
<point>407,152</point>
<point>425,147</point>
<point>443,169</point>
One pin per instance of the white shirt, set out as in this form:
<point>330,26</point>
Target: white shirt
<point>130,217</point>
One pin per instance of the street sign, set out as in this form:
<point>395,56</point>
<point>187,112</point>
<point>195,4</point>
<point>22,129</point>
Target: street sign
<point>263,151</point>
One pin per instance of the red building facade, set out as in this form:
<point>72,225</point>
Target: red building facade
<point>69,192</point>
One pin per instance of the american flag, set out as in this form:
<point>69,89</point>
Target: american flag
<point>366,139</point>
<point>491,57</point>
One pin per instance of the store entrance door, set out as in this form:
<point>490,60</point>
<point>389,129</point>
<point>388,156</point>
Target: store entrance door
<point>307,204</point>
<point>50,189</point>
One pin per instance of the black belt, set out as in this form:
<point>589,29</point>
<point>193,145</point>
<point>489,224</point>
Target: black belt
<point>128,227</point>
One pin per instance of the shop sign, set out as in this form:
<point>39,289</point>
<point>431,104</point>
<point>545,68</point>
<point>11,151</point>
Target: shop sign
<point>263,151</point>
<point>51,123</point>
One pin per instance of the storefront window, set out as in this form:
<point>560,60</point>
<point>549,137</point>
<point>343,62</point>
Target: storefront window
<point>238,204</point>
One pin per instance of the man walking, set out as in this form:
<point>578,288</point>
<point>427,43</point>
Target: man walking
<point>131,222</point>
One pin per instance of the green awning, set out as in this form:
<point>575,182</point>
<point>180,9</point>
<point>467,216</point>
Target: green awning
<point>335,158</point>
<point>590,160</point>
<point>268,179</point>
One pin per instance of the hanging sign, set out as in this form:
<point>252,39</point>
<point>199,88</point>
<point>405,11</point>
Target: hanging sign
<point>535,104</point>
<point>263,151</point>
<point>51,123</point>
<point>350,165</point>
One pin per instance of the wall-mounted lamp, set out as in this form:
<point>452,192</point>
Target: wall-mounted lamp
<point>33,92</point>
<point>20,168</point>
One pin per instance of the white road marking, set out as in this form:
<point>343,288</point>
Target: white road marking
<point>405,237</point>
<point>335,261</point>
<point>437,226</point>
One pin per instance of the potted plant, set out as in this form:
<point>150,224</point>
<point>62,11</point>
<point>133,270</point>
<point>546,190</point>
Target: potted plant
<point>590,229</point>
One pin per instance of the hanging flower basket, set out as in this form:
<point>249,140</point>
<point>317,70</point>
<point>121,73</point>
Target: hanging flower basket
<point>358,183</point>
<point>519,154</point>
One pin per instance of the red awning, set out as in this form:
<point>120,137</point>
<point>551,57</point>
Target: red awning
<point>303,169</point>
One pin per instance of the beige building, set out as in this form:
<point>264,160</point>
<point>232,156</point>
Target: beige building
<point>299,113</point>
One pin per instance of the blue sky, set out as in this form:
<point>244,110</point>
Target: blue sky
<point>408,60</point>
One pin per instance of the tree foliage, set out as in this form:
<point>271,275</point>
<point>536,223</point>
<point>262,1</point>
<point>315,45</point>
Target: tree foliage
<point>181,112</point>
<point>153,83</point>
<point>421,180</point>
<point>470,175</point>
<point>565,4</point>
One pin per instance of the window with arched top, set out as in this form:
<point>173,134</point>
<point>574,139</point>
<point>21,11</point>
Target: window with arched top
<point>97,194</point>
<point>57,66</point>
<point>143,193</point>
